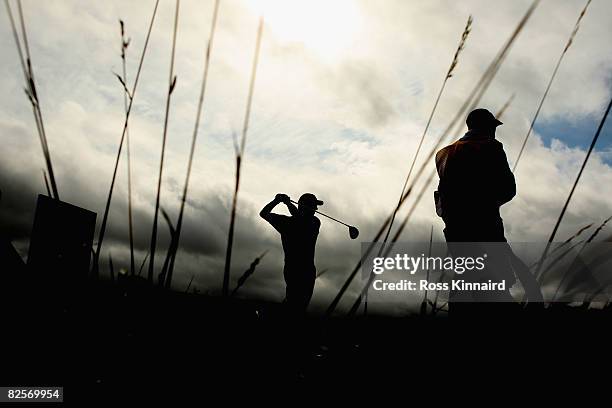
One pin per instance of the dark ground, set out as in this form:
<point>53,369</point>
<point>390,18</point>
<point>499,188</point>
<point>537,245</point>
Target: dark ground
<point>107,341</point>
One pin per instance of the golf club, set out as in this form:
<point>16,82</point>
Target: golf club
<point>353,231</point>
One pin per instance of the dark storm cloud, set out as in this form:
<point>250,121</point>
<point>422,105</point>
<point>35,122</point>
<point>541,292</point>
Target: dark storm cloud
<point>203,240</point>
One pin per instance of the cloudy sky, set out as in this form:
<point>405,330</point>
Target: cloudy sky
<point>343,92</point>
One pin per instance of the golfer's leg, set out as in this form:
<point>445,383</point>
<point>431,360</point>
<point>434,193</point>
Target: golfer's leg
<point>290,290</point>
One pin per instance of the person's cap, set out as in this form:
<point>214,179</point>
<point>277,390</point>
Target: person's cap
<point>479,118</point>
<point>310,200</point>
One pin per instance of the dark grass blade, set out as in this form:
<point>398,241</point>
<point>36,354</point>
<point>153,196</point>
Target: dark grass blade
<point>30,90</point>
<point>598,230</point>
<point>46,183</point>
<point>248,273</point>
<point>550,82</point>
<point>588,241</point>
<point>124,46</point>
<point>425,300</point>
<point>448,75</point>
<point>565,275</point>
<point>34,96</point>
<point>171,84</point>
<point>571,193</point>
<point>189,285</point>
<point>554,261</point>
<point>564,243</point>
<point>111,267</point>
<point>582,273</point>
<point>500,113</point>
<point>162,275</point>
<point>385,250</point>
<point>144,260</point>
<point>239,157</point>
<point>95,267</point>
<point>179,222</point>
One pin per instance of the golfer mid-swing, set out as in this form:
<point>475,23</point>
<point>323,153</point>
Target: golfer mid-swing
<point>299,234</point>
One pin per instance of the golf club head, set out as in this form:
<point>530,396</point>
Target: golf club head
<point>353,232</point>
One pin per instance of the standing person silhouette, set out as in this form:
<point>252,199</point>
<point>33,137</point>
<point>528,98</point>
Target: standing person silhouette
<point>475,181</point>
<point>299,234</point>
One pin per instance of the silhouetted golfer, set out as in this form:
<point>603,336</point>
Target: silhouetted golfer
<point>299,234</point>
<point>475,181</point>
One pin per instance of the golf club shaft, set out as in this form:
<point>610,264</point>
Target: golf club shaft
<point>325,215</point>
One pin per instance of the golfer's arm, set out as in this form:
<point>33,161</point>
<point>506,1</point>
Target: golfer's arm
<point>267,210</point>
<point>292,208</point>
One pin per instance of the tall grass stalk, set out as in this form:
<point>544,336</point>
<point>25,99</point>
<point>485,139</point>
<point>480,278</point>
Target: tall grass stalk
<point>239,158</point>
<point>425,299</point>
<point>385,250</point>
<point>598,230</point>
<point>95,267</point>
<point>471,101</point>
<point>550,82</point>
<point>500,113</point>
<point>171,85</point>
<point>449,74</point>
<point>558,258</point>
<point>189,285</point>
<point>25,61</point>
<point>571,193</point>
<point>144,261</point>
<point>179,223</point>
<point>576,258</point>
<point>124,46</point>
<point>248,273</point>
<point>46,183</point>
<point>564,243</point>
<point>161,278</point>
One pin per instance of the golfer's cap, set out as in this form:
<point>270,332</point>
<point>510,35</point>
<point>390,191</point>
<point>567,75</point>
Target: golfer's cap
<point>481,118</point>
<point>310,200</point>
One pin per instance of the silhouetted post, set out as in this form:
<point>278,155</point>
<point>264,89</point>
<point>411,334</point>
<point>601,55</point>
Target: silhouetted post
<point>61,241</point>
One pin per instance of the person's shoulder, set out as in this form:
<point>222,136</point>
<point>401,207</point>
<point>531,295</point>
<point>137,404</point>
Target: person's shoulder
<point>445,149</point>
<point>278,218</point>
<point>444,152</point>
<point>495,144</point>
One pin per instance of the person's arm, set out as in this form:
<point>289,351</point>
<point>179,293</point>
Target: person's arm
<point>266,212</point>
<point>280,198</point>
<point>291,207</point>
<point>506,185</point>
<point>278,221</point>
